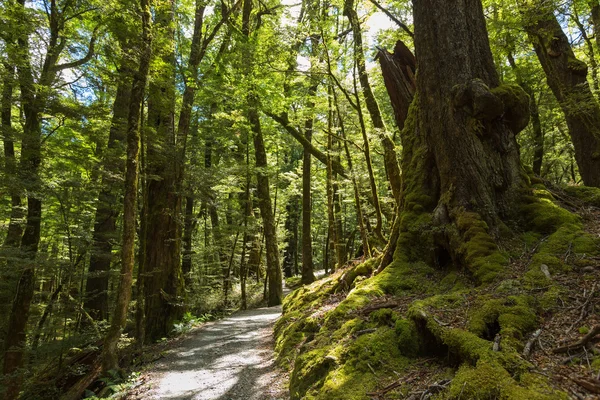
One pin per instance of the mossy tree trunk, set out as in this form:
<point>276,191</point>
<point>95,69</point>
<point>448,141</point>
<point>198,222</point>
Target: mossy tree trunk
<point>105,224</point>
<point>460,157</point>
<point>163,281</point>
<point>119,316</point>
<point>567,78</point>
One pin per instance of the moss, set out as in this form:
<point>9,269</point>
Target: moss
<point>352,377</point>
<point>361,270</point>
<point>589,195</point>
<point>516,106</point>
<point>478,249</point>
<point>543,215</point>
<point>511,317</point>
<point>509,286</point>
<point>409,341</point>
<point>548,301</point>
<point>384,316</point>
<point>489,381</point>
<point>309,371</point>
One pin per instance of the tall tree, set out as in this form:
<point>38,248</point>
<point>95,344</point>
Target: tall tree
<point>567,77</point>
<point>275,288</point>
<point>105,224</point>
<point>460,157</point>
<point>119,317</point>
<point>389,148</point>
<point>34,97</point>
<point>163,280</point>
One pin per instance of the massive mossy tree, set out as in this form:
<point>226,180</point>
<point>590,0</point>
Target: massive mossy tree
<point>460,150</point>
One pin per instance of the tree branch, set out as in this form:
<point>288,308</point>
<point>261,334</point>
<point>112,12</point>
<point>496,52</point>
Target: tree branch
<point>308,146</point>
<point>393,18</point>
<point>81,61</point>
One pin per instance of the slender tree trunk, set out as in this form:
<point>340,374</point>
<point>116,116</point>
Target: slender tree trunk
<point>308,275</point>
<point>275,288</point>
<point>290,254</point>
<point>15,226</point>
<point>359,215</point>
<point>536,123</point>
<point>188,227</point>
<point>105,225</point>
<point>367,152</point>
<point>567,78</point>
<point>590,48</point>
<point>31,157</point>
<point>389,148</point>
<point>110,358</point>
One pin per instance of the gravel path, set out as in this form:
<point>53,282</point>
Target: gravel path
<point>229,359</point>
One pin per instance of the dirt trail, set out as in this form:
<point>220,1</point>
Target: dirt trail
<point>226,360</point>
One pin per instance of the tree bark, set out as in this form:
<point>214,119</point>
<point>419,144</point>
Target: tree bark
<point>389,148</point>
<point>163,283</point>
<point>275,288</point>
<point>105,225</point>
<point>110,359</point>
<point>536,123</point>
<point>15,226</point>
<point>459,148</point>
<point>566,76</point>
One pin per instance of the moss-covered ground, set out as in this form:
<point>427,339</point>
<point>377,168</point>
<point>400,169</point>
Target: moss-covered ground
<point>427,319</point>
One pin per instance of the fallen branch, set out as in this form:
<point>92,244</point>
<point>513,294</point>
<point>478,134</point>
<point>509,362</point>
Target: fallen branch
<point>531,342</point>
<point>389,304</point>
<point>590,384</point>
<point>580,343</point>
<point>391,387</point>
<point>364,332</point>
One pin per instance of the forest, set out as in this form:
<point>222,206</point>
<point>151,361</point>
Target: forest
<point>416,184</point>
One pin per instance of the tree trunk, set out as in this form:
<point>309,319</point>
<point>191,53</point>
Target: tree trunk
<point>566,77</point>
<point>275,288</point>
<point>389,148</point>
<point>536,123</point>
<point>15,226</point>
<point>31,158</point>
<point>8,277</point>
<point>290,254</point>
<point>308,275</point>
<point>110,359</point>
<point>367,151</point>
<point>188,227</point>
<point>163,283</point>
<point>460,156</point>
<point>398,70</point>
<point>105,226</point>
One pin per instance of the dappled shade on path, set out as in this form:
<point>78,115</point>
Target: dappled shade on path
<point>226,360</point>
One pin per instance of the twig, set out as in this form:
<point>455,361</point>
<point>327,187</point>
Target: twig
<point>580,343</point>
<point>583,308</point>
<point>531,342</point>
<point>364,332</point>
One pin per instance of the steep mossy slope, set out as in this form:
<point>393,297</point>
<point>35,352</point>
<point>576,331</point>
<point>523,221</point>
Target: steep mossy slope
<point>351,335</point>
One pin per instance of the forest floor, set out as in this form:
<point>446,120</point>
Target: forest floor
<point>228,359</point>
